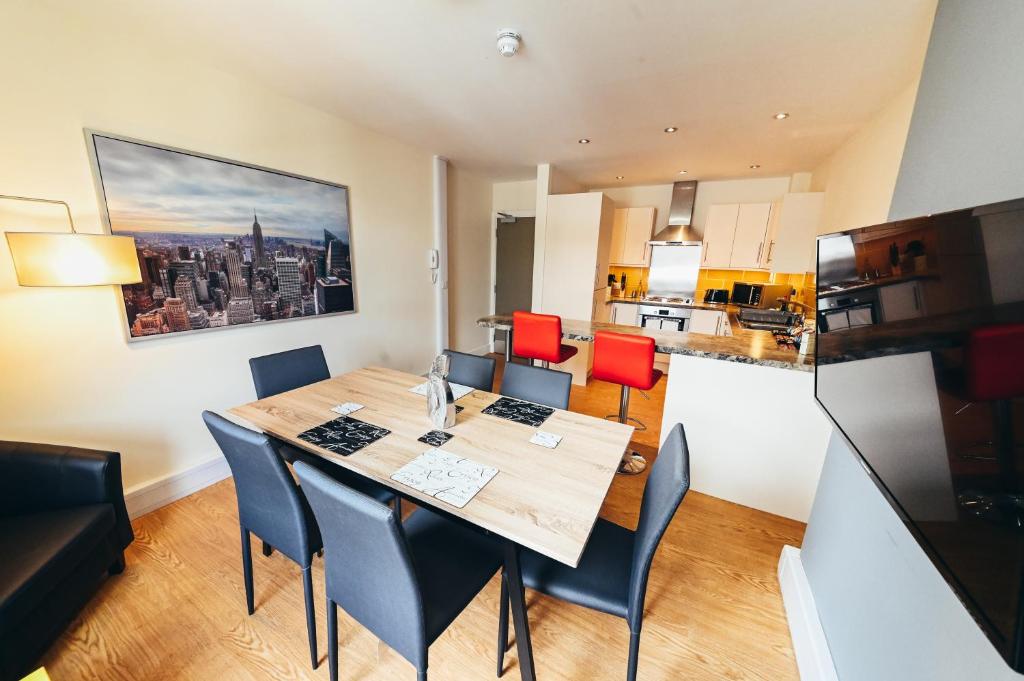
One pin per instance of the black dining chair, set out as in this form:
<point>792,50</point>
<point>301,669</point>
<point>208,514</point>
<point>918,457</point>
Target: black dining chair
<point>612,573</point>
<point>471,370</point>
<point>291,369</point>
<point>537,384</point>
<point>405,582</point>
<point>270,505</point>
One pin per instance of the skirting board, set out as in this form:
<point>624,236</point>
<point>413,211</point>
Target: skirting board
<point>149,496</point>
<point>813,658</point>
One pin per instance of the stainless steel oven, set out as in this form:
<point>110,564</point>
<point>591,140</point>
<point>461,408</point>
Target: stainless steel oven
<point>664,318</point>
<point>848,310</point>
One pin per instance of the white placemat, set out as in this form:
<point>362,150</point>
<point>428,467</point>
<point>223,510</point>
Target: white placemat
<point>445,476</point>
<point>458,390</point>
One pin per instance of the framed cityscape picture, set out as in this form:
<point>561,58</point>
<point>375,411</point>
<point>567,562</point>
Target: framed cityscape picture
<point>222,243</point>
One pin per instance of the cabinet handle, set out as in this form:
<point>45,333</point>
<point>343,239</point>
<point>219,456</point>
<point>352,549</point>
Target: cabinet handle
<point>707,247</point>
<point>917,300</point>
<point>759,249</point>
<point>771,247</point>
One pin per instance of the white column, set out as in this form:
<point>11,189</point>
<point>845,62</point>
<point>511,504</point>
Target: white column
<point>440,273</point>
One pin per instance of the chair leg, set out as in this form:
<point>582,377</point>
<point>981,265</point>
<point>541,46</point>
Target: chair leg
<point>267,548</point>
<point>632,463</point>
<point>398,508</point>
<point>247,569</point>
<point>421,674</point>
<point>502,625</point>
<point>634,655</point>
<point>332,639</point>
<point>307,587</point>
<point>117,567</point>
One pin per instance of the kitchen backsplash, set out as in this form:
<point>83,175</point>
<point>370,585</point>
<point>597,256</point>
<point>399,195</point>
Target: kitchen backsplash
<point>803,282</point>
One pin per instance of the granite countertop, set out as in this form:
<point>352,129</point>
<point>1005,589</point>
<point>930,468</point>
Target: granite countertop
<point>745,346</point>
<point>879,282</point>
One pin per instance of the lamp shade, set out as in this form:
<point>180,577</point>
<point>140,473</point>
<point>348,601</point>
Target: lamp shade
<point>62,259</point>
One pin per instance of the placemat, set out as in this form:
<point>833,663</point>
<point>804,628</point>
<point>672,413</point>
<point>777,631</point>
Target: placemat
<point>519,411</point>
<point>445,476</point>
<point>344,435</point>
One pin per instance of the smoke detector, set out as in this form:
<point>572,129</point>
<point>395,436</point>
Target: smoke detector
<point>508,42</point>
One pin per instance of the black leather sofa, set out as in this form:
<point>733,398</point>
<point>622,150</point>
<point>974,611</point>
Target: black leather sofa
<point>63,525</point>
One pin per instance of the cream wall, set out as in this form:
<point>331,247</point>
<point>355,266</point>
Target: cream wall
<point>514,196</point>
<point>859,178</point>
<point>469,259</point>
<point>69,376</point>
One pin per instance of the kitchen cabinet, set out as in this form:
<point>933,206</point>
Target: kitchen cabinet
<point>577,242</point>
<point>719,232</point>
<point>601,310</point>
<point>625,313</point>
<point>711,322</point>
<point>748,244</point>
<point>901,301</point>
<point>790,242</point>
<point>631,230</point>
<point>734,235</point>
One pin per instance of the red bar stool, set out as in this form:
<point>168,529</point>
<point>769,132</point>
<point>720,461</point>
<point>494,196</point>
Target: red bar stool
<point>539,336</point>
<point>629,361</point>
<point>993,373</point>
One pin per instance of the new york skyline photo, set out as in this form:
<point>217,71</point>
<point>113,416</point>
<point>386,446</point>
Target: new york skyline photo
<point>222,243</point>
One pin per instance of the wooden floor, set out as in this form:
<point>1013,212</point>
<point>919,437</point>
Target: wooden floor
<point>178,611</point>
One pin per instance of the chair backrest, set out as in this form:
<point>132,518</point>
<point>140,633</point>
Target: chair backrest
<point>624,359</point>
<point>537,384</point>
<point>666,486</point>
<point>992,362</point>
<point>270,504</point>
<point>368,566</point>
<point>471,370</point>
<point>536,336</point>
<point>284,371</point>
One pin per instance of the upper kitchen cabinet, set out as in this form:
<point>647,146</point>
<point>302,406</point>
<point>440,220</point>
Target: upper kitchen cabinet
<point>631,230</point>
<point>791,234</point>
<point>734,235</point>
<point>719,232</point>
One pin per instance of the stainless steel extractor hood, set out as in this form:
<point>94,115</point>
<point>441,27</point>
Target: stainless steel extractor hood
<point>679,216</point>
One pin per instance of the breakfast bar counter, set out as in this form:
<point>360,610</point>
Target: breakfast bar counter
<point>745,346</point>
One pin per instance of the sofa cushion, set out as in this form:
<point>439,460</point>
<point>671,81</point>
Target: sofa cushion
<point>40,550</point>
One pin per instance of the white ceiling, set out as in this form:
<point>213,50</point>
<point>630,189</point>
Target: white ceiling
<point>615,71</point>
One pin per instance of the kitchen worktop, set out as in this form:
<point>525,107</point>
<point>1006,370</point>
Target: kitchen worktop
<point>878,282</point>
<point>745,346</point>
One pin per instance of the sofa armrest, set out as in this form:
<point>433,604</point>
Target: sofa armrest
<point>39,477</point>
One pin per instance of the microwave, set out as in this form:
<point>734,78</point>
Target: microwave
<point>758,295</point>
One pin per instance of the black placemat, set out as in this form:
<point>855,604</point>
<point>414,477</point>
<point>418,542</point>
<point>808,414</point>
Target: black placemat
<point>435,438</point>
<point>344,435</point>
<point>519,411</point>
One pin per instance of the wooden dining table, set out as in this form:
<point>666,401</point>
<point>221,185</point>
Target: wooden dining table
<point>546,500</point>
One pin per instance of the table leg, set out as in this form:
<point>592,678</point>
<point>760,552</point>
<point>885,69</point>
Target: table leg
<point>517,600</point>
<point>508,346</point>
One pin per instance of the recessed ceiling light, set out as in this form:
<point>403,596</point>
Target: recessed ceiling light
<point>682,172</point>
<point>671,129</point>
<point>583,140</point>
<point>619,177</point>
<point>782,115</point>
<point>754,166</point>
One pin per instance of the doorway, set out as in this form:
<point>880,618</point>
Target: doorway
<point>513,268</point>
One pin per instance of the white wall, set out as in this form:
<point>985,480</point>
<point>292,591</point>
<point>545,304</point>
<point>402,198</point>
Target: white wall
<point>469,259</point>
<point>859,178</point>
<point>514,196</point>
<point>755,190</point>
<point>68,374</point>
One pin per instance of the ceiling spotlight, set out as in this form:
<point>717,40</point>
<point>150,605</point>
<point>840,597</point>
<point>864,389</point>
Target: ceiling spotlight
<point>619,177</point>
<point>583,140</point>
<point>671,129</point>
<point>781,116</point>
<point>682,172</point>
<point>508,42</point>
<point>754,166</point>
